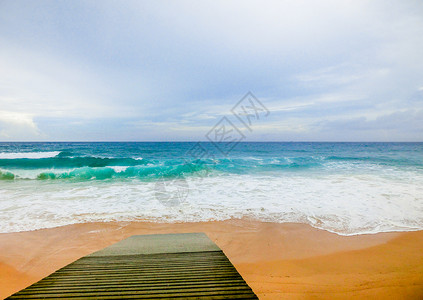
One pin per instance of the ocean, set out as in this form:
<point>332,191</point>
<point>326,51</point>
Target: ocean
<point>346,188</point>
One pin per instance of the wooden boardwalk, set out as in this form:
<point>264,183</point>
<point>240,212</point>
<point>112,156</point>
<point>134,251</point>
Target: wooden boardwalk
<point>160,266</point>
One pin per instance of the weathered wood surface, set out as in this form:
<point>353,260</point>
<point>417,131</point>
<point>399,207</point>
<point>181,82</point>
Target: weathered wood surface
<point>165,266</point>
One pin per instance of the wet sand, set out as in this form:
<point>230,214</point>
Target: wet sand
<point>279,261</point>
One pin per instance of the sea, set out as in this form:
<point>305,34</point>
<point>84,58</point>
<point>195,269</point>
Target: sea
<point>345,188</point>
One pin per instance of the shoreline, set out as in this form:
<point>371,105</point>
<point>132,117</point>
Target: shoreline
<point>277,260</point>
<point>243,219</point>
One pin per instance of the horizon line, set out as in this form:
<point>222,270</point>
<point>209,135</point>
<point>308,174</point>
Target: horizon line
<point>210,142</point>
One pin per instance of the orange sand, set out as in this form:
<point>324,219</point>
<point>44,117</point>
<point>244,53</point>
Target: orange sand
<point>279,261</point>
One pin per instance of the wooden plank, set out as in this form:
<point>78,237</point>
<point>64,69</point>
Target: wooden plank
<point>159,244</point>
<point>183,266</point>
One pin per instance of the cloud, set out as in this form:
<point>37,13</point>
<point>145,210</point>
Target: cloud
<point>18,126</point>
<point>142,69</point>
<point>404,126</point>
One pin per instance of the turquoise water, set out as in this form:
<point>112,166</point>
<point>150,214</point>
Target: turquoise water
<point>348,188</point>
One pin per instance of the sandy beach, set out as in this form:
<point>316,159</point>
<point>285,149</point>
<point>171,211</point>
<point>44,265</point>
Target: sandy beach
<point>289,132</point>
<point>279,261</point>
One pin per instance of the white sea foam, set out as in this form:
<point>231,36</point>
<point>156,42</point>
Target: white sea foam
<point>119,169</point>
<point>343,203</point>
<point>31,155</point>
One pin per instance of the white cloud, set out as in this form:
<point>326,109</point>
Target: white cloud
<point>18,126</point>
<point>50,85</point>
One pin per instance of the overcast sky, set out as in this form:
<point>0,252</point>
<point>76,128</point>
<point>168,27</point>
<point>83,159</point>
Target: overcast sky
<point>169,70</point>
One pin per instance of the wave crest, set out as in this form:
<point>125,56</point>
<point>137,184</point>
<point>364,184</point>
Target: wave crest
<point>28,155</point>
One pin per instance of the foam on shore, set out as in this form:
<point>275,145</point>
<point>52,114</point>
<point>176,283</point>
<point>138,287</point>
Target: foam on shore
<point>346,205</point>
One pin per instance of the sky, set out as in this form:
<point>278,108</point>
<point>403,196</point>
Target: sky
<point>170,70</point>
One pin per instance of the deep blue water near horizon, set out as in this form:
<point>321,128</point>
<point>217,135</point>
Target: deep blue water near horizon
<point>348,188</point>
